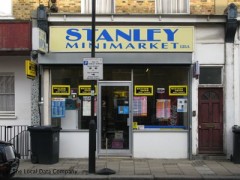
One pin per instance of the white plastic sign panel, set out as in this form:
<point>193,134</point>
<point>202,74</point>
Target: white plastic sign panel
<point>92,68</point>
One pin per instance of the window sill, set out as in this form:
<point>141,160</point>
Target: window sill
<point>159,130</point>
<point>5,117</point>
<point>6,17</point>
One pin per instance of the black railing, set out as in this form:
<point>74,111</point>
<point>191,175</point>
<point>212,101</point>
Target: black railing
<point>19,137</point>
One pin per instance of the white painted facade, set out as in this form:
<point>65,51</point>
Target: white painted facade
<point>16,65</point>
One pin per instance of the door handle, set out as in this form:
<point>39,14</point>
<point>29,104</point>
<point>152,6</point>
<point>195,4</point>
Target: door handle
<point>128,121</point>
<point>199,126</point>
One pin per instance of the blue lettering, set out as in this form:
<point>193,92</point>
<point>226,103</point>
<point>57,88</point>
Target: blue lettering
<point>137,35</point>
<point>164,45</point>
<point>96,45</point>
<point>73,35</point>
<point>153,46</point>
<point>89,34</point>
<point>170,34</point>
<point>113,46</point>
<point>142,46</point>
<point>71,46</point>
<point>174,45</point>
<point>104,36</point>
<point>151,33</point>
<point>123,35</point>
<point>130,45</point>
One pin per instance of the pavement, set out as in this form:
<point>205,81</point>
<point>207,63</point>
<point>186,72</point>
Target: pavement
<point>130,168</point>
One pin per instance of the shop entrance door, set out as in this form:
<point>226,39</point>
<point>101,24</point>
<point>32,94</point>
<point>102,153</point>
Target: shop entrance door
<point>114,118</point>
<point>210,120</point>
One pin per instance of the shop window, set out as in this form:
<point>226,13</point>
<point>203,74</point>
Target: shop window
<point>162,101</point>
<point>167,106</point>
<point>102,6</point>
<point>72,110</point>
<point>172,6</point>
<point>7,95</point>
<point>5,9</point>
<point>210,75</point>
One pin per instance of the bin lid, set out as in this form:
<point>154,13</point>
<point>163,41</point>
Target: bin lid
<point>43,128</point>
<point>236,129</point>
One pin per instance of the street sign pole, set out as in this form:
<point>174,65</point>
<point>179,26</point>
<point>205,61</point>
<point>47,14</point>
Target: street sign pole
<point>92,124</point>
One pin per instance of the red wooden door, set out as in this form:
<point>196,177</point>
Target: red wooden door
<point>210,120</point>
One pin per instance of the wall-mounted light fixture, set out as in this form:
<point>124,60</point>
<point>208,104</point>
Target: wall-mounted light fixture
<point>196,70</point>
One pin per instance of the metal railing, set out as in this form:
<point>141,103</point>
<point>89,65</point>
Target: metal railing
<point>18,136</point>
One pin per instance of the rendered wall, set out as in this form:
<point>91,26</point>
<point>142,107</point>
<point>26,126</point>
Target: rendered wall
<point>162,145</point>
<point>172,145</point>
<point>16,64</point>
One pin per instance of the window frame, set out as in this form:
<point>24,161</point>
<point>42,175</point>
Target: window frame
<point>9,113</point>
<point>212,85</point>
<point>157,8</point>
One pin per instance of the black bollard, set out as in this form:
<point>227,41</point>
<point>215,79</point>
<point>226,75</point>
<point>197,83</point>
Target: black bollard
<point>92,147</point>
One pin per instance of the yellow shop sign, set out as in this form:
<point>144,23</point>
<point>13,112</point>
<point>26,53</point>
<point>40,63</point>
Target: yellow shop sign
<point>122,39</point>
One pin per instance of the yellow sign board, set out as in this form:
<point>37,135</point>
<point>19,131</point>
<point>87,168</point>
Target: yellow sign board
<point>178,90</point>
<point>122,39</point>
<point>61,90</point>
<point>143,90</point>
<point>30,69</point>
<point>85,90</point>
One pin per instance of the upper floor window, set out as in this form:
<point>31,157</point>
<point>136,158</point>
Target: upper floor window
<point>7,94</point>
<point>172,6</point>
<point>210,75</point>
<point>141,6</point>
<point>102,6</point>
<point>6,9</point>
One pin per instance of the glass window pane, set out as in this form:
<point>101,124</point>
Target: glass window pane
<point>210,75</point>
<point>7,97</point>
<point>161,110</point>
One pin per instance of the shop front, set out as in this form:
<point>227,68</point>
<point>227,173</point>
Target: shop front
<point>143,102</point>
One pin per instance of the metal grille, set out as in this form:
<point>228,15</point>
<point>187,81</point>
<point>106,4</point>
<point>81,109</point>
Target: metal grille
<point>19,137</point>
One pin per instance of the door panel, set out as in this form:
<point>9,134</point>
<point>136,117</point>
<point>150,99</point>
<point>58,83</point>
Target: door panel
<point>210,120</point>
<point>114,118</point>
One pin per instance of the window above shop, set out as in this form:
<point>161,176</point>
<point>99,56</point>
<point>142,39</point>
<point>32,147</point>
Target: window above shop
<point>139,6</point>
<point>172,6</point>
<point>6,9</point>
<point>210,75</point>
<point>102,6</point>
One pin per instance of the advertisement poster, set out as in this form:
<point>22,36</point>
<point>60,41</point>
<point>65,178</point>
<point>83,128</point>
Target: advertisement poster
<point>163,108</point>
<point>181,105</point>
<point>140,106</point>
<point>87,106</point>
<point>58,107</point>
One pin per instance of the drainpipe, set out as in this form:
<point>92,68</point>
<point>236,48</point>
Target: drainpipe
<point>229,84</point>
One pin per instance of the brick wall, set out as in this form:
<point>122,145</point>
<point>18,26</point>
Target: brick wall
<point>22,8</point>
<point>135,6</point>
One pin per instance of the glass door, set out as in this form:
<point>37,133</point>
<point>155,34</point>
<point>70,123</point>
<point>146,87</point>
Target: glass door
<point>114,118</point>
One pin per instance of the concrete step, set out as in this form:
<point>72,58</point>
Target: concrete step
<point>210,157</point>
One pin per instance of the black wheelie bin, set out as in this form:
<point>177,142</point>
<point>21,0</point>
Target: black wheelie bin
<point>236,144</point>
<point>44,144</point>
